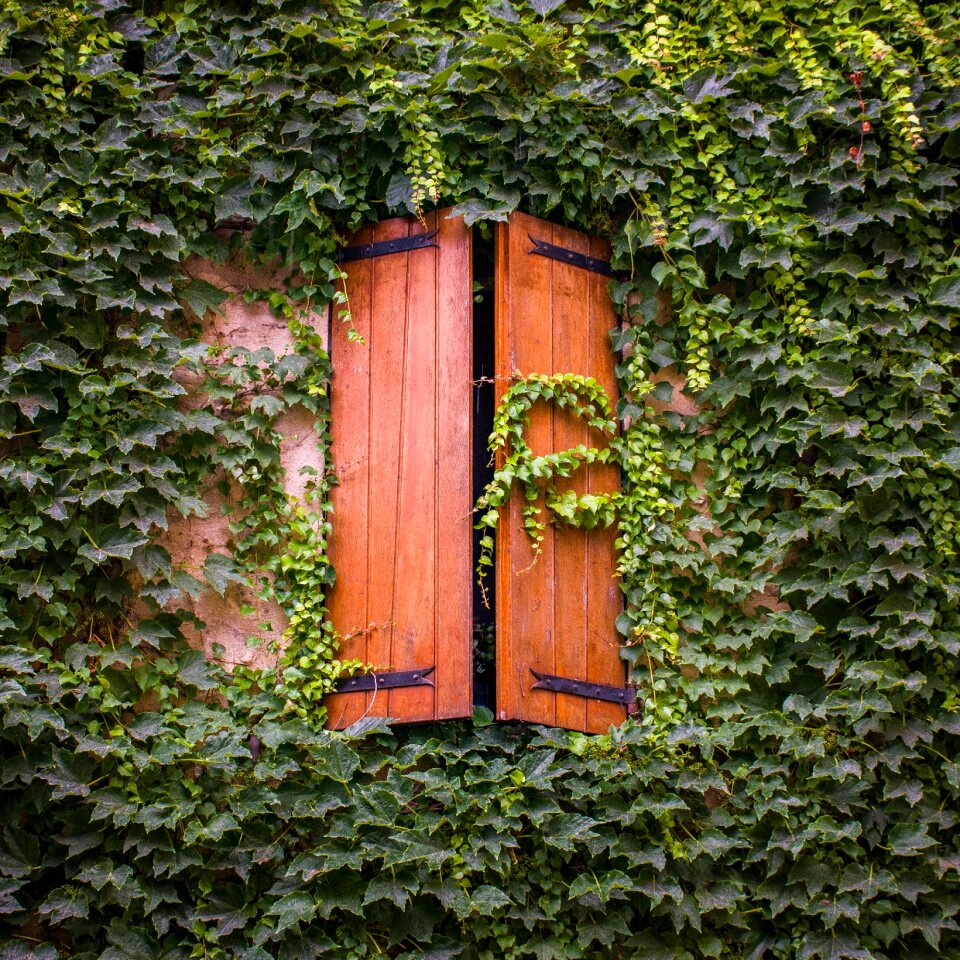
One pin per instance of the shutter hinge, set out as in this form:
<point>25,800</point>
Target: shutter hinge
<point>369,682</point>
<point>382,247</point>
<point>593,691</point>
<point>571,257</point>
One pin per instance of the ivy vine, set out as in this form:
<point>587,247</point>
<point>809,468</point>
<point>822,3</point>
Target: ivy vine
<point>536,476</point>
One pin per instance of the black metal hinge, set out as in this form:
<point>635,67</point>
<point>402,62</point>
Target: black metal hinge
<point>382,247</point>
<point>551,250</point>
<point>386,681</point>
<point>593,691</point>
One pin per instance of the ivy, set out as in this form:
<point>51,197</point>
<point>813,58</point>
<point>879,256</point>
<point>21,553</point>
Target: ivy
<point>535,476</point>
<point>779,183</point>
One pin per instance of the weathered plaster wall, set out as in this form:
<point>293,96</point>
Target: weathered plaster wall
<point>189,540</point>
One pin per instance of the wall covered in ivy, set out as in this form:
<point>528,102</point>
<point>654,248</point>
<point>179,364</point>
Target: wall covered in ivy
<point>779,184</point>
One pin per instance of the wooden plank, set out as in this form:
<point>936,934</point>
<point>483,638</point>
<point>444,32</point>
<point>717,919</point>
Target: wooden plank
<point>350,416</point>
<point>385,345</point>
<point>571,598</point>
<point>524,581</point>
<point>403,552</point>
<point>604,664</point>
<point>454,519</point>
<point>414,566</point>
<point>557,615</point>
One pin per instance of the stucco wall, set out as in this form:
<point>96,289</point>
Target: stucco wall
<point>189,540</point>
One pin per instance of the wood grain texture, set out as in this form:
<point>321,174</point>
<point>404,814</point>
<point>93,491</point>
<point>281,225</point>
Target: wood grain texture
<point>556,615</point>
<point>400,423</point>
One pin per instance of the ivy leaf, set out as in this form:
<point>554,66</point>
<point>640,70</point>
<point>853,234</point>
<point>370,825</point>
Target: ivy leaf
<point>835,378</point>
<point>400,192</point>
<point>908,839</point>
<point>201,296</point>
<point>104,872</point>
<point>32,402</point>
<point>220,571</point>
<point>946,291</point>
<point>66,903</point>
<point>68,775</point>
<point>128,943</point>
<point>25,950</point>
<point>292,909</point>
<point>563,831</point>
<point>832,946</point>
<point>475,210</point>
<point>396,889</point>
<point>19,853</point>
<point>543,7</point>
<point>113,543</point>
<point>195,670</point>
<point>704,85</point>
<point>708,228</point>
<point>487,899</point>
<point>337,761</point>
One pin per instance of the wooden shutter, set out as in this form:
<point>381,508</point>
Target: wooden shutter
<point>556,616</point>
<point>401,422</point>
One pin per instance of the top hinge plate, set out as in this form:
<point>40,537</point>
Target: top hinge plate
<point>571,257</point>
<point>383,247</point>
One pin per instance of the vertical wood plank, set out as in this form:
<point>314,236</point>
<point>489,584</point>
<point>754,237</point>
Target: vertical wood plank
<point>349,449</point>
<point>414,567</point>
<point>386,346</point>
<point>559,614</point>
<point>454,532</point>
<point>571,596</point>
<point>604,664</point>
<point>528,634</point>
<point>402,596</point>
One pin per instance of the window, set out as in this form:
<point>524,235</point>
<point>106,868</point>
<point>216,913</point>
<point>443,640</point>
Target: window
<point>405,431</point>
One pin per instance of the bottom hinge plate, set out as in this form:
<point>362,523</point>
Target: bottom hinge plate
<point>369,682</point>
<point>592,691</point>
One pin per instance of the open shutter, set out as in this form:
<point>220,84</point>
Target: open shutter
<point>401,421</point>
<point>557,616</point>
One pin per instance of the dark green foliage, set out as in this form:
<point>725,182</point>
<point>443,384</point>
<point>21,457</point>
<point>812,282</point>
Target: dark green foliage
<point>779,180</point>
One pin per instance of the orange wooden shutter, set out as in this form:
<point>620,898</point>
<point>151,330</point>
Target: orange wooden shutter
<point>401,421</point>
<point>557,615</point>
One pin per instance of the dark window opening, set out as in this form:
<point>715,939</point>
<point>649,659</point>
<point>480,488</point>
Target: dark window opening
<point>484,407</point>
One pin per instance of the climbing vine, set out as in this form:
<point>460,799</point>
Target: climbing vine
<point>536,476</point>
<point>779,183</point>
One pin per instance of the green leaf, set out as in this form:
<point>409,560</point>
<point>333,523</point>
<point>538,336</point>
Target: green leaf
<point>337,761</point>
<point>201,296</point>
<point>543,7</point>
<point>195,671</point>
<point>395,888</point>
<point>908,839</point>
<point>704,85</point>
<point>946,291</point>
<point>112,543</point>
<point>220,571</point>
<point>294,908</point>
<point>487,900</point>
